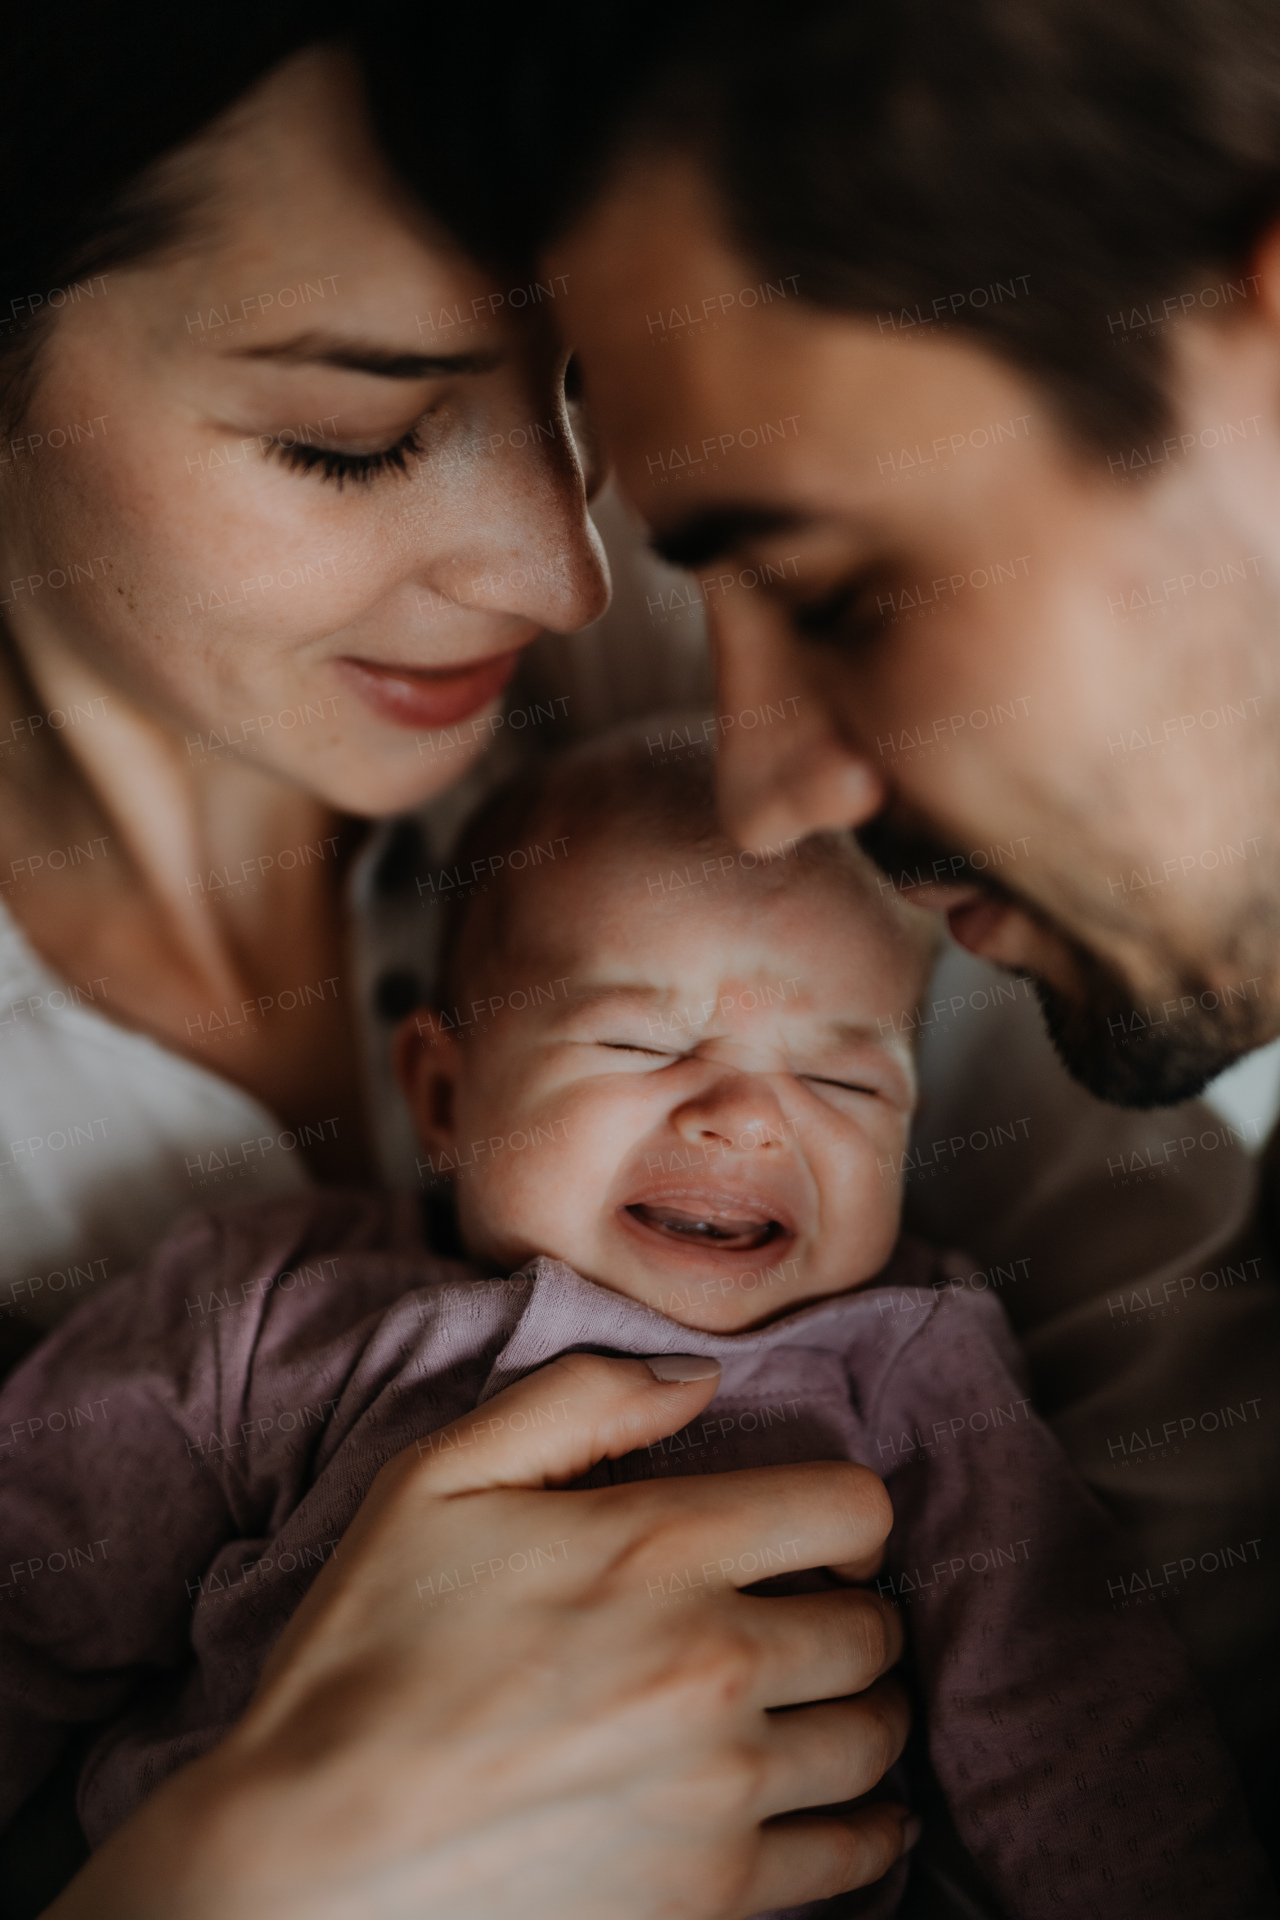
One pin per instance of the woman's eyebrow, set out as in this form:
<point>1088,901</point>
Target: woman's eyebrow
<point>361,356</point>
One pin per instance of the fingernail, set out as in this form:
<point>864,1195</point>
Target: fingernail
<point>912,1828</point>
<point>681,1366</point>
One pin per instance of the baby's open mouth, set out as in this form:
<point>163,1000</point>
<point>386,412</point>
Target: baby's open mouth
<point>733,1232</point>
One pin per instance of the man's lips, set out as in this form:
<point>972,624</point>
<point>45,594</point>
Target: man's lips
<point>974,924</point>
<point>428,696</point>
<point>973,914</point>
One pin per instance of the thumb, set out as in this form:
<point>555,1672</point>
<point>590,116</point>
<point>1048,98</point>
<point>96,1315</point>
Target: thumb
<point>555,1424</point>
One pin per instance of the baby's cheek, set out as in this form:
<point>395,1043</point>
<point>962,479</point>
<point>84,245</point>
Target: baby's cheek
<point>871,1196</point>
<point>535,1195</point>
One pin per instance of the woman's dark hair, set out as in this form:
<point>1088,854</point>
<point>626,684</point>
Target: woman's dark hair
<point>97,94</point>
<point>1055,177</point>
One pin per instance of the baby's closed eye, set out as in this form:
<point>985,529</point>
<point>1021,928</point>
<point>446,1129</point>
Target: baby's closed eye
<point>638,1046</point>
<point>846,1086</point>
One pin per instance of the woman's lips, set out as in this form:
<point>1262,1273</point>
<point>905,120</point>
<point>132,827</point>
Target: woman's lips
<point>428,696</point>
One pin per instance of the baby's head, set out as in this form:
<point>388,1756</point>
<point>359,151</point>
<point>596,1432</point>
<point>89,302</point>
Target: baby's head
<point>682,1069</point>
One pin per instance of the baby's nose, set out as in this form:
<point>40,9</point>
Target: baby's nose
<point>742,1054</point>
<point>739,1112</point>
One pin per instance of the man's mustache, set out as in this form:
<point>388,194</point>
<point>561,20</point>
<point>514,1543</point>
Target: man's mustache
<point>912,856</point>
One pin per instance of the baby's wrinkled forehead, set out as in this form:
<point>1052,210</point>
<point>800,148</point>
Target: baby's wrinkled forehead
<point>636,878</point>
<point>613,849</point>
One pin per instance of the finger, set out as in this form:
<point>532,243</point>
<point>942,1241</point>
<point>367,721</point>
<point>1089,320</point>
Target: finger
<point>814,1856</point>
<point>552,1425</point>
<point>555,1424</point>
<point>820,1646</point>
<point>732,1529</point>
<point>853,1572</point>
<point>836,1751</point>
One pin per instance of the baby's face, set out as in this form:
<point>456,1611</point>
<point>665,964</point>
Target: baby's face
<point>708,1107</point>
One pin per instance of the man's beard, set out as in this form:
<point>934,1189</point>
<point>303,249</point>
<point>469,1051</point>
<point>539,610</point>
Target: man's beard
<point>1132,1056</point>
<point>1152,1056</point>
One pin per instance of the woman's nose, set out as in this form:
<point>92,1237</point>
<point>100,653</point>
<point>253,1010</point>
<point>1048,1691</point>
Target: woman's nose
<point>538,554</point>
<point>738,1112</point>
<point>527,545</point>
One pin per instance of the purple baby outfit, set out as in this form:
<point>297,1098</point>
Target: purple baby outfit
<point>183,1456</point>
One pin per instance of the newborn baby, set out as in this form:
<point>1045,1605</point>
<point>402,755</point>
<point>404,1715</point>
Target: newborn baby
<point>667,1095</point>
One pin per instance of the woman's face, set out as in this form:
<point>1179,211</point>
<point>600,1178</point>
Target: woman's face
<point>302,489</point>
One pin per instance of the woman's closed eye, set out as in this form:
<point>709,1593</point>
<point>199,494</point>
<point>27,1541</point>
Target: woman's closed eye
<point>306,456</point>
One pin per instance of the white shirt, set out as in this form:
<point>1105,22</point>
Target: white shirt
<point>105,1136</point>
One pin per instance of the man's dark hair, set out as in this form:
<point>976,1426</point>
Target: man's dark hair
<point>1045,174</point>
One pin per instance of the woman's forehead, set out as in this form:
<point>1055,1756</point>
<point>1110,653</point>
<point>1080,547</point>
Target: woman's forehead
<point>290,213</point>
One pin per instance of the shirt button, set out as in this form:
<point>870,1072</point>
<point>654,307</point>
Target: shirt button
<point>402,859</point>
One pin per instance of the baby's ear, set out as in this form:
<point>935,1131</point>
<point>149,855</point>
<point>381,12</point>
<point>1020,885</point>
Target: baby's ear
<point>428,1063</point>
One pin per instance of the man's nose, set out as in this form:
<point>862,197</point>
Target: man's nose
<point>735,1111</point>
<point>787,777</point>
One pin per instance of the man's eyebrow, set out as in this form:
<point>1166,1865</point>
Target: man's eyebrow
<point>719,530</point>
<point>364,356</point>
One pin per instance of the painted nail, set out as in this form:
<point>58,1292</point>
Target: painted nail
<point>681,1366</point>
<point>912,1828</point>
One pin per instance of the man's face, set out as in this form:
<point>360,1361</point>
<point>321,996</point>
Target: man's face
<point>1041,680</point>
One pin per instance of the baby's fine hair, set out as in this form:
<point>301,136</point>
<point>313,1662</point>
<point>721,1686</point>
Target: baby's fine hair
<point>631,787</point>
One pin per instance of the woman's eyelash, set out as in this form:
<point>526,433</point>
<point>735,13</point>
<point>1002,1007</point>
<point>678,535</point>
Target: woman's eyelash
<point>330,464</point>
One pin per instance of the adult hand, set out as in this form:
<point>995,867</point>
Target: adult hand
<point>487,1704</point>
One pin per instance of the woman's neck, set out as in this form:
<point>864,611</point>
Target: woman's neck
<point>191,896</point>
<point>82,757</point>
